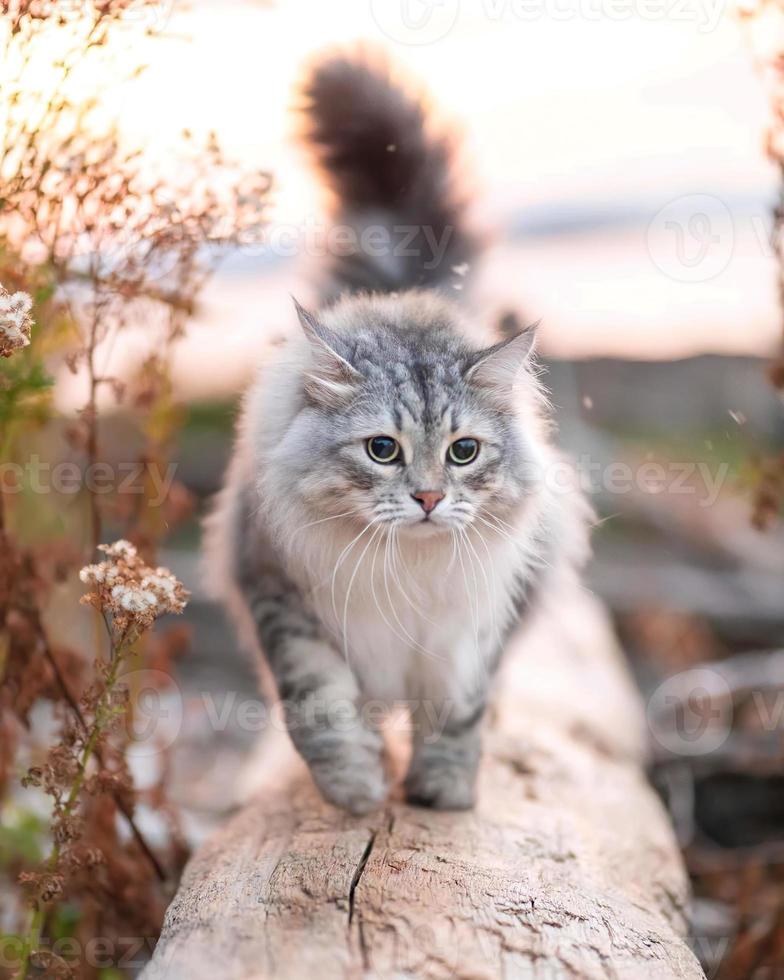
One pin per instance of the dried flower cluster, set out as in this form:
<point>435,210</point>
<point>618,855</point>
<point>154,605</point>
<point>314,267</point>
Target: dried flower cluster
<point>15,321</point>
<point>134,594</point>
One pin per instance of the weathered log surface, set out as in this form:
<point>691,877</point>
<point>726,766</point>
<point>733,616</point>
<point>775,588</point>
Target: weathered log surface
<point>566,869</point>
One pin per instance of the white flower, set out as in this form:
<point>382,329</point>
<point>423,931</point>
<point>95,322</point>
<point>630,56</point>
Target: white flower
<point>15,321</point>
<point>161,581</point>
<point>134,600</point>
<point>132,592</point>
<point>92,574</point>
<point>120,549</point>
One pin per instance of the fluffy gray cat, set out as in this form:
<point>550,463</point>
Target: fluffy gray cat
<point>394,504</point>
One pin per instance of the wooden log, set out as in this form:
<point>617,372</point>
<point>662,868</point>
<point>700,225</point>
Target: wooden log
<point>566,869</point>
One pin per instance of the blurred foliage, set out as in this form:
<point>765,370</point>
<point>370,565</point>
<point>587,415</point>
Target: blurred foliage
<point>22,836</point>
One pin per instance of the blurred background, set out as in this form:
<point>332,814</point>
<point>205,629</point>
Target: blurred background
<point>620,162</point>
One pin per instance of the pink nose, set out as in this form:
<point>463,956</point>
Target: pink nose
<point>428,499</point>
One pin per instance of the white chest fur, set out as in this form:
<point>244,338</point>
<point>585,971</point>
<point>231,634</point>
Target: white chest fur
<point>412,616</point>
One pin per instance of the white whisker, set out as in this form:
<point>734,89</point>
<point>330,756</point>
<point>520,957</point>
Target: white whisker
<point>491,588</point>
<point>338,563</point>
<point>509,527</point>
<point>407,636</point>
<point>494,527</point>
<point>396,552</point>
<point>334,517</point>
<point>473,609</point>
<point>348,592</point>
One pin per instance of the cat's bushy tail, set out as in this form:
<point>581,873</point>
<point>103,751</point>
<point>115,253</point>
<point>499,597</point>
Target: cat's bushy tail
<point>392,176</point>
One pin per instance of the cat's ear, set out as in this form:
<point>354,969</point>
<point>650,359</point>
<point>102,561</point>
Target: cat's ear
<point>331,380</point>
<point>498,367</point>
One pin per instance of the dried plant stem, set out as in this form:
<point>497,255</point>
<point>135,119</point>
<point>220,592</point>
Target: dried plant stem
<point>5,447</point>
<point>5,451</point>
<point>73,704</point>
<point>92,429</point>
<point>38,917</point>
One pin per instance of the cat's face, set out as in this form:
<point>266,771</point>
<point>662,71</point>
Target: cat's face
<point>392,463</point>
<point>411,429</point>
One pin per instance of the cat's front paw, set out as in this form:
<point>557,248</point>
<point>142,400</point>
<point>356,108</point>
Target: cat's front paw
<point>441,788</point>
<point>358,791</point>
<point>351,775</point>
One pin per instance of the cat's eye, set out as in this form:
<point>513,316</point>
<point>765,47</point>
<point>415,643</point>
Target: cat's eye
<point>383,449</point>
<point>463,451</point>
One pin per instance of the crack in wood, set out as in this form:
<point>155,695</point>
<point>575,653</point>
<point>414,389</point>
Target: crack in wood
<point>358,874</point>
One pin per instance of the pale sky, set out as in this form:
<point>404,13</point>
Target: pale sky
<point>572,110</point>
